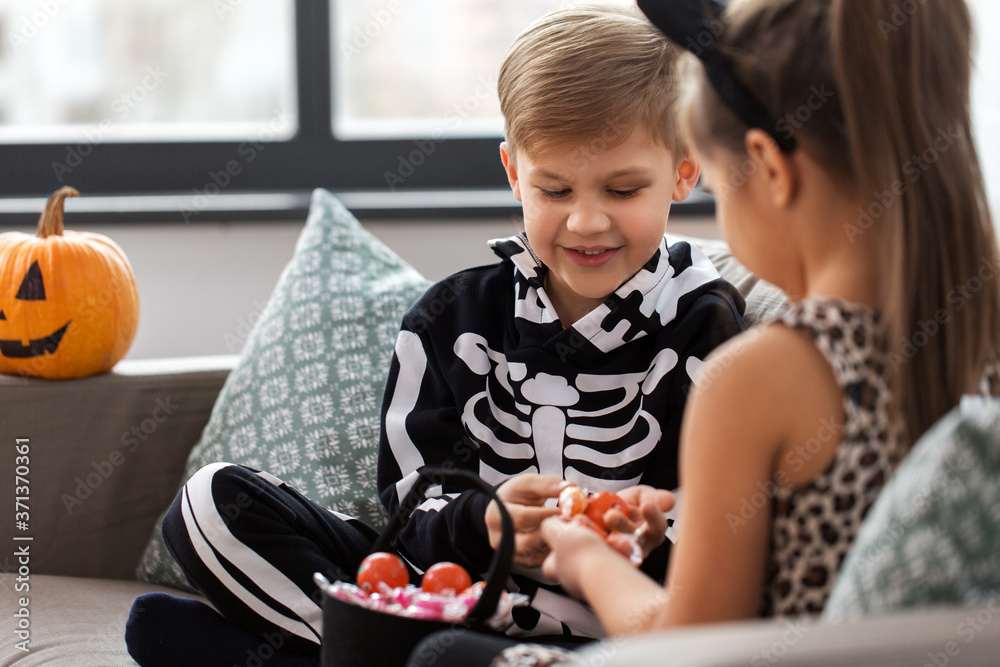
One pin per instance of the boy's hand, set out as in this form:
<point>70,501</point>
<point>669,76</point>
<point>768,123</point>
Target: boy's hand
<point>524,497</point>
<point>646,506</point>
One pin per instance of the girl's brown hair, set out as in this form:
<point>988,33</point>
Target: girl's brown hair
<point>895,128</point>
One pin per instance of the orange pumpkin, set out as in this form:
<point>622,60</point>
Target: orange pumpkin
<point>68,301</point>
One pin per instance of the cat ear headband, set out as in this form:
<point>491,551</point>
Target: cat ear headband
<point>695,25</point>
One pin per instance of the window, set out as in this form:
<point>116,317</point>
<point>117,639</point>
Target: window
<point>102,71</point>
<point>187,110</point>
<point>180,97</point>
<point>395,68</point>
<point>236,109</point>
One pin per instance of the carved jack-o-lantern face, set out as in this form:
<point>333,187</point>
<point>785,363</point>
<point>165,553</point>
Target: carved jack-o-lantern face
<point>32,288</point>
<point>68,301</point>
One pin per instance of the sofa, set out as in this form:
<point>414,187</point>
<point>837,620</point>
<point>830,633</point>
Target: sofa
<point>104,456</point>
<point>93,501</point>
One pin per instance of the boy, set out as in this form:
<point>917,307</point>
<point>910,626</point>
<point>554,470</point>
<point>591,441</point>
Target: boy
<point>572,357</point>
<point>568,360</point>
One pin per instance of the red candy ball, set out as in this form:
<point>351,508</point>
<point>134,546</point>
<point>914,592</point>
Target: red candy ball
<point>382,567</point>
<point>601,503</point>
<point>446,578</point>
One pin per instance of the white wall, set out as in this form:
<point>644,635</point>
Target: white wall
<point>202,286</point>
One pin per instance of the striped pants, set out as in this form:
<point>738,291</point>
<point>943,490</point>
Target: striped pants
<point>250,544</point>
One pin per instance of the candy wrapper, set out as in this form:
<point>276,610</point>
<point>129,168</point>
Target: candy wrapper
<point>412,602</point>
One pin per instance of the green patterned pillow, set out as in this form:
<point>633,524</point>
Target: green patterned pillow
<point>303,402</point>
<point>933,535</point>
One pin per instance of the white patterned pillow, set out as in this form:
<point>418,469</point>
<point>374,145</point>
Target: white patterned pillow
<point>303,401</point>
<point>933,535</point>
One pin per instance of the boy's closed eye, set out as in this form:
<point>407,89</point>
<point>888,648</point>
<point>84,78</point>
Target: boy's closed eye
<point>554,194</point>
<point>617,193</point>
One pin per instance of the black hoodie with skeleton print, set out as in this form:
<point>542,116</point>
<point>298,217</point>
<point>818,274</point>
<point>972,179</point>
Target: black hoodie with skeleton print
<point>485,377</point>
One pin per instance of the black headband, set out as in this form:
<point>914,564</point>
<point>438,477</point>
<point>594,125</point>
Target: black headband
<point>695,25</point>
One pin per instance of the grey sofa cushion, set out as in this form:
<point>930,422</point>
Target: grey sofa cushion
<point>104,459</point>
<point>73,621</point>
<point>941,636</point>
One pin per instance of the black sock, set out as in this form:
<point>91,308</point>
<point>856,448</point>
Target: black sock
<point>166,631</point>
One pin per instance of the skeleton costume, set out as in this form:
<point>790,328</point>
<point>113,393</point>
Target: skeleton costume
<point>486,378</point>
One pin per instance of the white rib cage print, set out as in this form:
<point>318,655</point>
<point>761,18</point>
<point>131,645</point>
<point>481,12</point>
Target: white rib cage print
<point>590,421</point>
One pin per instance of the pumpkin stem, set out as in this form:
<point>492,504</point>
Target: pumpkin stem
<point>51,222</point>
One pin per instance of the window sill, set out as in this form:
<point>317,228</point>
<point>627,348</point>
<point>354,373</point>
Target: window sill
<point>290,205</point>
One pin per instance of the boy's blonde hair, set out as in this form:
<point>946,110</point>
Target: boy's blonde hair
<point>589,76</point>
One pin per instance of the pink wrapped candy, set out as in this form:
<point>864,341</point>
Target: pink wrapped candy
<point>412,602</point>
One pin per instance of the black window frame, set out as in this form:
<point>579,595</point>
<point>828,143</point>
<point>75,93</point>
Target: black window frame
<point>159,181</point>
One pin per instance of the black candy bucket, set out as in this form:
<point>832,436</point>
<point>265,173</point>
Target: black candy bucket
<point>354,636</point>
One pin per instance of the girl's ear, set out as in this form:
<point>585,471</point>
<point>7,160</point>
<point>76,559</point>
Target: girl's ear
<point>511,169</point>
<point>776,168</point>
<point>688,172</point>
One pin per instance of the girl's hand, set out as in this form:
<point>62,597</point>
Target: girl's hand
<point>572,547</point>
<point>646,507</point>
<point>524,497</point>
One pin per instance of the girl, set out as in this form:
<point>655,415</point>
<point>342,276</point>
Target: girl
<point>845,172</point>
<point>837,138</point>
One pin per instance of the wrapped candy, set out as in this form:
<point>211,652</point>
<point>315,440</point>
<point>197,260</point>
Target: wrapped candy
<point>572,501</point>
<point>579,506</point>
<point>413,602</point>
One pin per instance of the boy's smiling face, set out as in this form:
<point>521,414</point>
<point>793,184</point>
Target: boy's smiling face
<point>595,217</point>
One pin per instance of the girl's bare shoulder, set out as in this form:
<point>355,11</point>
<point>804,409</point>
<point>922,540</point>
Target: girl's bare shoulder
<point>771,380</point>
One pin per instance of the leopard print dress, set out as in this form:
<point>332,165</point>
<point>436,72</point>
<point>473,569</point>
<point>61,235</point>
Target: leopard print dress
<point>814,525</point>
